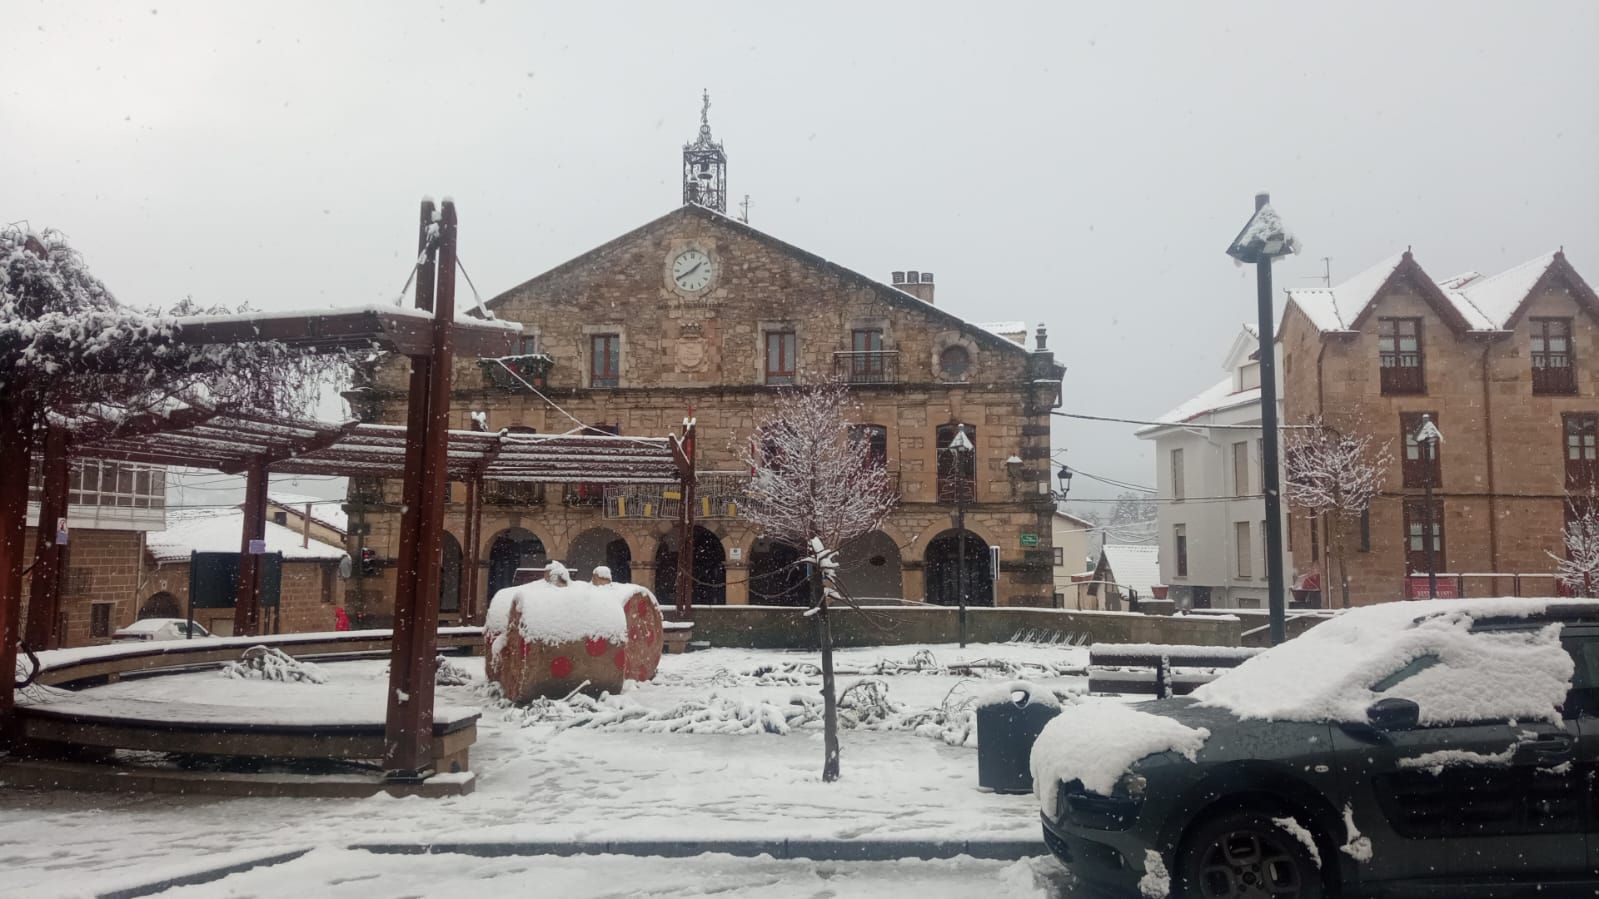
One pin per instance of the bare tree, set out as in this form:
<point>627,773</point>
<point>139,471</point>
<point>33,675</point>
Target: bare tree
<point>816,486</point>
<point>1579,569</point>
<point>1333,475</point>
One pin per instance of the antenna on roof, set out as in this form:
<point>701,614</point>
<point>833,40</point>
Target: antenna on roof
<point>744,210</point>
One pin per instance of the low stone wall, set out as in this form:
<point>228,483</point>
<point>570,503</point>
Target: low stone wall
<point>786,627</point>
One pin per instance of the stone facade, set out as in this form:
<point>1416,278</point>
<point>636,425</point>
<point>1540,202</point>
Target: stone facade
<point>103,577</point>
<point>311,590</point>
<point>1502,464</point>
<point>705,350</point>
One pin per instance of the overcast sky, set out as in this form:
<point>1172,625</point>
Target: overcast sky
<point>1083,165</point>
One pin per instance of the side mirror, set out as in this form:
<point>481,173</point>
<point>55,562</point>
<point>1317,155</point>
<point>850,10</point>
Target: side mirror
<point>1393,714</point>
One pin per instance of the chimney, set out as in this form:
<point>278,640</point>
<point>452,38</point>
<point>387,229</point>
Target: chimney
<point>917,284</point>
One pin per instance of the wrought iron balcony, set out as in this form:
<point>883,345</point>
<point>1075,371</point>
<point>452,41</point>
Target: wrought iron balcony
<point>1402,373</point>
<point>872,367</point>
<point>1553,378</point>
<point>512,493</point>
<point>524,370</point>
<point>717,495</point>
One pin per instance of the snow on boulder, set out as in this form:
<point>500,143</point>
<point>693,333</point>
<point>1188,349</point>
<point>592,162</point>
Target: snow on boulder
<point>1424,651</point>
<point>1098,740</point>
<point>646,631</point>
<point>551,637</point>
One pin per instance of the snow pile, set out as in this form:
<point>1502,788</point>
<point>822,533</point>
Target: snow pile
<point>1329,673</point>
<point>620,592</point>
<point>1019,692</point>
<point>448,674</point>
<point>554,614</point>
<point>1156,882</point>
<point>1095,742</point>
<point>269,663</point>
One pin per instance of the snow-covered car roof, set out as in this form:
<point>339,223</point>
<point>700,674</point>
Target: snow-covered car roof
<point>1336,670</point>
<point>149,625</point>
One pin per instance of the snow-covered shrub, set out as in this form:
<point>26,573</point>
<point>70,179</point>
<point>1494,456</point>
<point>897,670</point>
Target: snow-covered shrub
<point>272,664</point>
<point>448,674</point>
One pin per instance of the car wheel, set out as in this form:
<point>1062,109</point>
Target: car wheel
<point>1246,854</point>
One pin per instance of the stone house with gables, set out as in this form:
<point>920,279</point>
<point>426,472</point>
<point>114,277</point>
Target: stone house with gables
<point>1507,366</point>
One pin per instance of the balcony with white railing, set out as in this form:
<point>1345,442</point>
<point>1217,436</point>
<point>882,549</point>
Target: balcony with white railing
<point>117,496</point>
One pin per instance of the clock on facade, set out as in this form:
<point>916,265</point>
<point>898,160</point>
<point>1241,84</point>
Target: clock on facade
<point>691,270</point>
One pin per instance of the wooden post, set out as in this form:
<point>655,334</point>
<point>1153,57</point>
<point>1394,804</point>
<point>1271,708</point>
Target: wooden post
<point>247,604</point>
<point>44,590</point>
<point>474,535</point>
<point>685,530</point>
<point>16,446</point>
<point>409,725</point>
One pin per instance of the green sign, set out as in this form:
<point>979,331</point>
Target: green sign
<point>1029,539</point>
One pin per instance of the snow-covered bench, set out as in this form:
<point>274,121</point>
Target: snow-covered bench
<point>1154,667</point>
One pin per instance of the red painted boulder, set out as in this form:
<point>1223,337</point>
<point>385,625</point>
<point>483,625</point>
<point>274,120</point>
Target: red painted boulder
<point>551,637</point>
<point>645,634</point>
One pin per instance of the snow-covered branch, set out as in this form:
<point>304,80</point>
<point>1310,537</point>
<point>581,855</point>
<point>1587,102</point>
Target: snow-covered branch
<point>1579,570</point>
<point>1331,472</point>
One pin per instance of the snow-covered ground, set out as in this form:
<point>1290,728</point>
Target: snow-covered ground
<point>626,770</point>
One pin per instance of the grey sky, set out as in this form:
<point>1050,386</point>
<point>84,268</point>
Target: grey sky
<point>1078,164</point>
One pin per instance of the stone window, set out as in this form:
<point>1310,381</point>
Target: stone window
<point>1421,464</point>
<point>873,440</point>
<point>954,362</point>
<point>1177,475</point>
<point>605,360</point>
<point>1553,369</point>
<point>1582,435</point>
<point>1399,352</point>
<point>781,349</point>
<point>956,471</point>
<point>1417,523</point>
<point>1241,541</point>
<point>1180,533</point>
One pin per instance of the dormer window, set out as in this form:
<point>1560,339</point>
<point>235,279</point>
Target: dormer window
<point>1400,357</point>
<point>1249,376</point>
<point>1553,370</point>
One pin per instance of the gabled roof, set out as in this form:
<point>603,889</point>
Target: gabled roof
<point>219,530</point>
<point>1067,516</point>
<point>1133,565</point>
<point>1216,398</point>
<point>1468,301</point>
<point>323,511</point>
<point>888,293</point>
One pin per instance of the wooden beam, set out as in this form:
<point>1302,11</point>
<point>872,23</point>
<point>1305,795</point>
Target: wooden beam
<point>247,602</point>
<point>16,448</point>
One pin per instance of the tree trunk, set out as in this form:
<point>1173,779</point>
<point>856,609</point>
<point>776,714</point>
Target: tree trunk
<point>824,637</point>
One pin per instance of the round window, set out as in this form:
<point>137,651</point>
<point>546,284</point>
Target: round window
<point>954,362</point>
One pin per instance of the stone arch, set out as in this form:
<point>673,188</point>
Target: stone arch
<point>775,576</point>
<point>449,573</point>
<point>710,569</point>
<point>161,605</point>
<point>511,549</point>
<point>869,567</point>
<point>942,570</point>
<point>601,546</point>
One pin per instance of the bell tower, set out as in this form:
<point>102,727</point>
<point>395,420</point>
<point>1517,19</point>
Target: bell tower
<point>705,166</point>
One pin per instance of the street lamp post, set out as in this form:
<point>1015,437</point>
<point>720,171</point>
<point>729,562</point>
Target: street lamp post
<point>960,451</point>
<point>1427,437</point>
<point>1263,241</point>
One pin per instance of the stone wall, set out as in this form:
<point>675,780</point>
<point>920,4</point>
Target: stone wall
<point>772,627</point>
<point>101,566</point>
<point>310,592</point>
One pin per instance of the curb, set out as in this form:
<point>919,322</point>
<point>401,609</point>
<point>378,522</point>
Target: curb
<point>198,877</point>
<point>815,850</point>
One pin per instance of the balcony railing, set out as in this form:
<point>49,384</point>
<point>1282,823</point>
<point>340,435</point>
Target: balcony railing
<point>512,493</point>
<point>524,370</point>
<point>717,494</point>
<point>1553,378</point>
<point>1402,373</point>
<point>874,367</point>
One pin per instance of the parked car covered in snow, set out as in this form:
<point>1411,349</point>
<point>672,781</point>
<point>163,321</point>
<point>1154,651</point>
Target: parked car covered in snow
<point>1441,748</point>
<point>161,629</point>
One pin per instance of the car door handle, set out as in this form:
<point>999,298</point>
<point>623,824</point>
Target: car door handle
<point>1552,749</point>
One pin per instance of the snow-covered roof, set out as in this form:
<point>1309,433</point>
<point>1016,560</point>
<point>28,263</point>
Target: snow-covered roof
<point>329,512</point>
<point>1482,304</point>
<point>1015,332</point>
<point>1067,516</point>
<point>1133,565</point>
<point>219,530</point>
<point>1215,398</point>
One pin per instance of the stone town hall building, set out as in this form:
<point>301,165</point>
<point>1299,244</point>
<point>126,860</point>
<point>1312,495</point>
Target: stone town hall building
<point>698,310</point>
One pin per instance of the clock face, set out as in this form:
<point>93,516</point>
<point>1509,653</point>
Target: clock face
<point>691,270</point>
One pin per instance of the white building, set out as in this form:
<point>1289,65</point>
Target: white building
<point>1072,565</point>
<point>1212,516</point>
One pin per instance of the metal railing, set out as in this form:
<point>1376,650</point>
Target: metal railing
<point>870,367</point>
<point>1553,378</point>
<point>717,495</point>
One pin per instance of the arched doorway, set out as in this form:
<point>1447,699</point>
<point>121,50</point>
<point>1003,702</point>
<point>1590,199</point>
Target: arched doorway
<point>450,574</point>
<point>514,548</point>
<point>601,546</point>
<point>161,605</point>
<point>776,577</point>
<point>710,570</point>
<point>943,572</point>
<point>869,567</point>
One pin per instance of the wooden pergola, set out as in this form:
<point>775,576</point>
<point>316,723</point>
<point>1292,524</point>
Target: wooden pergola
<point>424,454</point>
